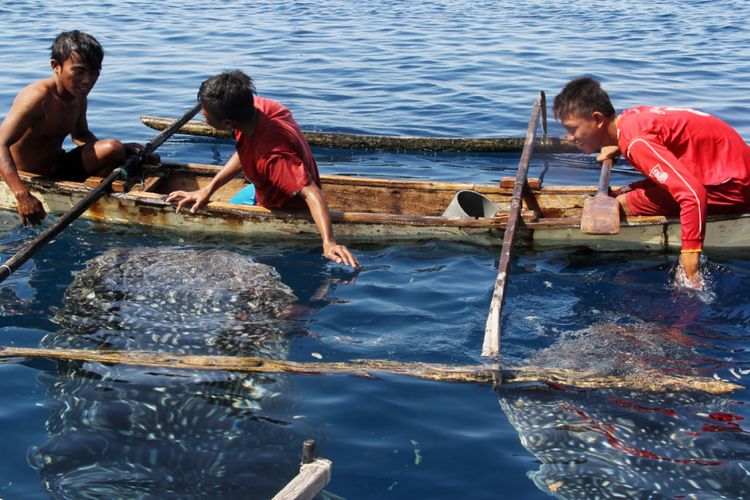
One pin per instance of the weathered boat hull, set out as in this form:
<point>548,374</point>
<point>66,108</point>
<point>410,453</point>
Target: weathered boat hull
<point>372,210</point>
<point>650,233</point>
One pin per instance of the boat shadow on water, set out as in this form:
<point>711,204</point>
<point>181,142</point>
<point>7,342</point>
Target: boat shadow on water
<point>620,443</point>
<point>119,431</point>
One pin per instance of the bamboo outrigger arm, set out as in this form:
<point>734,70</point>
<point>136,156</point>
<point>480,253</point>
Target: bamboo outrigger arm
<point>650,381</point>
<point>491,344</point>
<point>387,142</point>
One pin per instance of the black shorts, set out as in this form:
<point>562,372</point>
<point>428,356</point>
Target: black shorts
<point>70,166</point>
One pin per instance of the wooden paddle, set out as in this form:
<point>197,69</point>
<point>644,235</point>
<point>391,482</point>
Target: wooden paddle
<point>67,218</point>
<point>601,213</point>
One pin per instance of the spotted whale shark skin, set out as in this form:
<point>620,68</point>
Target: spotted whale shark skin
<point>612,443</point>
<point>177,300</point>
<point>120,431</point>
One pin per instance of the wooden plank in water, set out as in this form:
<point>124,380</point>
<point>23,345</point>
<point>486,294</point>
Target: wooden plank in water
<point>648,380</point>
<point>310,481</point>
<point>313,476</point>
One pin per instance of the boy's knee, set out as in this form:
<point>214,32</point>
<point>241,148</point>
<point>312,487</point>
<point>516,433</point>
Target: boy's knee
<point>103,156</point>
<point>110,150</point>
<point>622,199</point>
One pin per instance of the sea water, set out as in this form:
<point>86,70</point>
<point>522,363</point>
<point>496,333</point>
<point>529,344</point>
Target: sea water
<point>86,430</point>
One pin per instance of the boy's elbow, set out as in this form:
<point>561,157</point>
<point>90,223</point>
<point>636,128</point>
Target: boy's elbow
<point>309,191</point>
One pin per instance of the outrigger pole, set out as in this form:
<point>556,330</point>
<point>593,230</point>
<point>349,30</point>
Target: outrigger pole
<point>388,142</point>
<point>491,345</point>
<point>644,380</point>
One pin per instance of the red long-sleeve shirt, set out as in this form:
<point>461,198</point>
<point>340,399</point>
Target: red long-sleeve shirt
<point>685,151</point>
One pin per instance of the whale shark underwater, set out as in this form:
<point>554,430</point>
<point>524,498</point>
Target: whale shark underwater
<point>120,431</point>
<point>183,301</point>
<point>623,443</point>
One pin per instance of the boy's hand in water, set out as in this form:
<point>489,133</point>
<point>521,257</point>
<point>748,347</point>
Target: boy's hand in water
<point>688,274</point>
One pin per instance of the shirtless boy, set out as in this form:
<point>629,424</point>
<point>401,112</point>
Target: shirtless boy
<point>271,151</point>
<point>695,164</point>
<point>42,116</point>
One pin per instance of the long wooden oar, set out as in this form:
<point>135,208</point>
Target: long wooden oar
<point>491,345</point>
<point>601,213</point>
<point>388,142</point>
<point>67,218</point>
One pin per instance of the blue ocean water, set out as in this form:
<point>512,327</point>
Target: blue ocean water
<point>394,68</point>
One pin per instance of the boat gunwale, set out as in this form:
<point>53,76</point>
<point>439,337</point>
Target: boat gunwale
<point>146,198</point>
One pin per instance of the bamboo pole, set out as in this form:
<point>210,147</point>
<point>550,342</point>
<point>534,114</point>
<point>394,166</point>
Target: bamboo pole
<point>649,381</point>
<point>386,142</point>
<point>491,344</point>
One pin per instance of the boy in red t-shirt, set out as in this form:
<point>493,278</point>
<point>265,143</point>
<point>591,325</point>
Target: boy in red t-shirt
<point>695,163</point>
<point>271,151</point>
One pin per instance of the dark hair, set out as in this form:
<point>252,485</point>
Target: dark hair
<point>82,44</point>
<point>229,96</point>
<point>582,97</point>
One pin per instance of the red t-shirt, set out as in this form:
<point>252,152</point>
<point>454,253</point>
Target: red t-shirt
<point>276,157</point>
<point>686,152</point>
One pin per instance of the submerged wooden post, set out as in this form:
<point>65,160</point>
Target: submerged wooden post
<point>491,345</point>
<point>308,451</point>
<point>314,475</point>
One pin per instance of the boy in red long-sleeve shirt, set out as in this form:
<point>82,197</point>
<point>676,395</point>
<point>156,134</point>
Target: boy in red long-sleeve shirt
<point>695,163</point>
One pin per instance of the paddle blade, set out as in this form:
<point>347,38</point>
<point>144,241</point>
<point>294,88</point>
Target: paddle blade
<point>601,215</point>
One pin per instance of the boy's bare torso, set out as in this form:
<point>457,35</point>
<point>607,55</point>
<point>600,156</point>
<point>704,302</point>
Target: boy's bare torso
<point>52,119</point>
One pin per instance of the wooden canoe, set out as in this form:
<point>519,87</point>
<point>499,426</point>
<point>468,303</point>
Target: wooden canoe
<point>387,142</point>
<point>371,210</point>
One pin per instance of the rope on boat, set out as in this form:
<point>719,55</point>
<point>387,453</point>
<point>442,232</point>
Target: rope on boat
<point>122,174</point>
